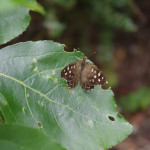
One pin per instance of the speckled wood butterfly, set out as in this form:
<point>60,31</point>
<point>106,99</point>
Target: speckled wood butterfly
<point>86,73</point>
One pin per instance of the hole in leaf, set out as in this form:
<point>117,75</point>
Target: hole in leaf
<point>111,118</point>
<point>39,124</point>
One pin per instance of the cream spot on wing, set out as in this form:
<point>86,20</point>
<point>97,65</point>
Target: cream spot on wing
<point>68,68</point>
<point>64,70</point>
<point>65,73</point>
<point>99,80</point>
<point>92,69</point>
<point>69,71</point>
<point>99,74</point>
<point>74,66</point>
<point>102,77</point>
<point>92,80</point>
<point>95,76</point>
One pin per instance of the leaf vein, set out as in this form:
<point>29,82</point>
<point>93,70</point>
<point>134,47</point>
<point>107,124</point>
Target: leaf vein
<point>36,91</point>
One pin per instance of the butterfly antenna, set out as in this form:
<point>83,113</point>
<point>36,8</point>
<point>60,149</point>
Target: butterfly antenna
<point>91,54</point>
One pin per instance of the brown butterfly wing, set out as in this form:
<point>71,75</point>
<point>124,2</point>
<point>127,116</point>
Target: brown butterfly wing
<point>72,73</point>
<point>74,82</point>
<point>91,76</point>
<point>68,72</point>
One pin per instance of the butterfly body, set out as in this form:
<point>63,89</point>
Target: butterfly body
<point>83,71</point>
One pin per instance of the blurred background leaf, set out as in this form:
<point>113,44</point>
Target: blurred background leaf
<point>137,100</point>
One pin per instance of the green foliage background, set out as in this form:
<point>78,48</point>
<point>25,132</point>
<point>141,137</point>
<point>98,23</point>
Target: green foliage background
<point>32,94</point>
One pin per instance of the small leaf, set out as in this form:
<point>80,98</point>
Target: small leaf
<point>13,23</point>
<point>15,18</point>
<point>137,100</point>
<point>17,137</point>
<point>34,94</point>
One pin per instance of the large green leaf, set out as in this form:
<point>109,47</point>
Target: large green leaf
<point>16,137</point>
<point>33,94</point>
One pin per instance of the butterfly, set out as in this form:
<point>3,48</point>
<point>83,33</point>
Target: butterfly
<point>86,73</point>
